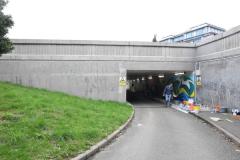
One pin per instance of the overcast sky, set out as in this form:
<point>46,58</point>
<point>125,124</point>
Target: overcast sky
<point>123,20</point>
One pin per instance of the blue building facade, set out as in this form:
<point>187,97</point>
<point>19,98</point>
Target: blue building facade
<point>195,34</point>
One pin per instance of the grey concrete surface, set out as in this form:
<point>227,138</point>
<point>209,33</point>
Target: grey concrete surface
<point>220,82</point>
<point>159,133</point>
<point>219,58</point>
<point>90,69</point>
<point>219,64</point>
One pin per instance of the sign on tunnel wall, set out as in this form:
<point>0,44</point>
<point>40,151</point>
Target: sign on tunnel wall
<point>122,81</point>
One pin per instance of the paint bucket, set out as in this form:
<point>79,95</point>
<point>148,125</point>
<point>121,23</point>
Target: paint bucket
<point>196,108</point>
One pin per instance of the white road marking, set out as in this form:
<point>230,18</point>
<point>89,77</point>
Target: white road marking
<point>237,150</point>
<point>229,120</point>
<point>139,124</point>
<point>215,119</point>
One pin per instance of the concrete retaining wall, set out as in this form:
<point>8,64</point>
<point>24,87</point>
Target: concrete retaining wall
<point>89,68</point>
<point>219,60</point>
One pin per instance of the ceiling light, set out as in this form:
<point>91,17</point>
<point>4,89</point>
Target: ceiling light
<point>179,73</point>
<point>160,76</point>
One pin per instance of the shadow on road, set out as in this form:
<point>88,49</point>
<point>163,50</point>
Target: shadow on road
<point>147,103</point>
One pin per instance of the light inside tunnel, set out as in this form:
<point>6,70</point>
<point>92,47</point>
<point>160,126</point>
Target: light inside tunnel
<point>160,76</point>
<point>179,73</point>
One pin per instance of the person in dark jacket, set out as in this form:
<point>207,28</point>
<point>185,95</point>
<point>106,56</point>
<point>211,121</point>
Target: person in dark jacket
<point>168,93</point>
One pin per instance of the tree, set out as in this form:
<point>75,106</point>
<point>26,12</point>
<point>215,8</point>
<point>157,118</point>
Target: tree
<point>5,23</point>
<point>154,38</point>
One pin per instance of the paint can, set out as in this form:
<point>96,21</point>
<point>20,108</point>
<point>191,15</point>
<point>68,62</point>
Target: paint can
<point>196,108</point>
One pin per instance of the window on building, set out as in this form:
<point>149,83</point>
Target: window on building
<point>214,30</point>
<point>189,35</point>
<point>199,32</point>
<point>194,33</point>
<point>177,39</point>
<point>205,30</point>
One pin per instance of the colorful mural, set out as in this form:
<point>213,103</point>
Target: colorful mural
<point>183,87</point>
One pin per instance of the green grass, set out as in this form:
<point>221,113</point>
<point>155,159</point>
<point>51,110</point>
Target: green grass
<point>39,124</point>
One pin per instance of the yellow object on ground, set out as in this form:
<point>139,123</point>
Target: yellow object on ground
<point>196,108</point>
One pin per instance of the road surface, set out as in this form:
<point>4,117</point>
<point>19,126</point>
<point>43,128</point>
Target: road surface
<point>159,133</point>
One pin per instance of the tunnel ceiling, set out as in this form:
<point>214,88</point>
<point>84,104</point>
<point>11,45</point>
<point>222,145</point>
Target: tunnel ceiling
<point>149,72</point>
<point>145,73</point>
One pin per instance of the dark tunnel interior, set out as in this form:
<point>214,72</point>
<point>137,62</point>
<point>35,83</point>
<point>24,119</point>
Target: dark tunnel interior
<point>148,85</point>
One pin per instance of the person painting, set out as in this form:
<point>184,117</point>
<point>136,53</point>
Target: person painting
<point>168,93</point>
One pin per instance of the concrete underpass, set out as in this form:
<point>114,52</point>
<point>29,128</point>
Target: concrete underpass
<point>92,69</point>
<point>149,84</point>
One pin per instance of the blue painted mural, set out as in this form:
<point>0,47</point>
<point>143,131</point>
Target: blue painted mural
<point>183,87</point>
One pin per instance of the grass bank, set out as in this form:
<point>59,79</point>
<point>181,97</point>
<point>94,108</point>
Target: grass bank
<point>39,124</point>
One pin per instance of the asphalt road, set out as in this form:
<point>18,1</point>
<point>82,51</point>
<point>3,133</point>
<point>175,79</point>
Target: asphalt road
<point>159,133</point>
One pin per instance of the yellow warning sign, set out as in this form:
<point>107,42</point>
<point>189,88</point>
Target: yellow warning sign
<point>199,83</point>
<point>122,81</point>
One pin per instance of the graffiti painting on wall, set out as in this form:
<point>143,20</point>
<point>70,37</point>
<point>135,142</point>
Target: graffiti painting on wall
<point>183,87</point>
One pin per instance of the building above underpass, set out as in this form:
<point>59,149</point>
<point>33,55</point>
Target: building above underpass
<point>194,34</point>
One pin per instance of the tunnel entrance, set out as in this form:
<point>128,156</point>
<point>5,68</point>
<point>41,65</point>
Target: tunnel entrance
<point>149,85</point>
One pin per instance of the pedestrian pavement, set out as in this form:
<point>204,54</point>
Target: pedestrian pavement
<point>226,123</point>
